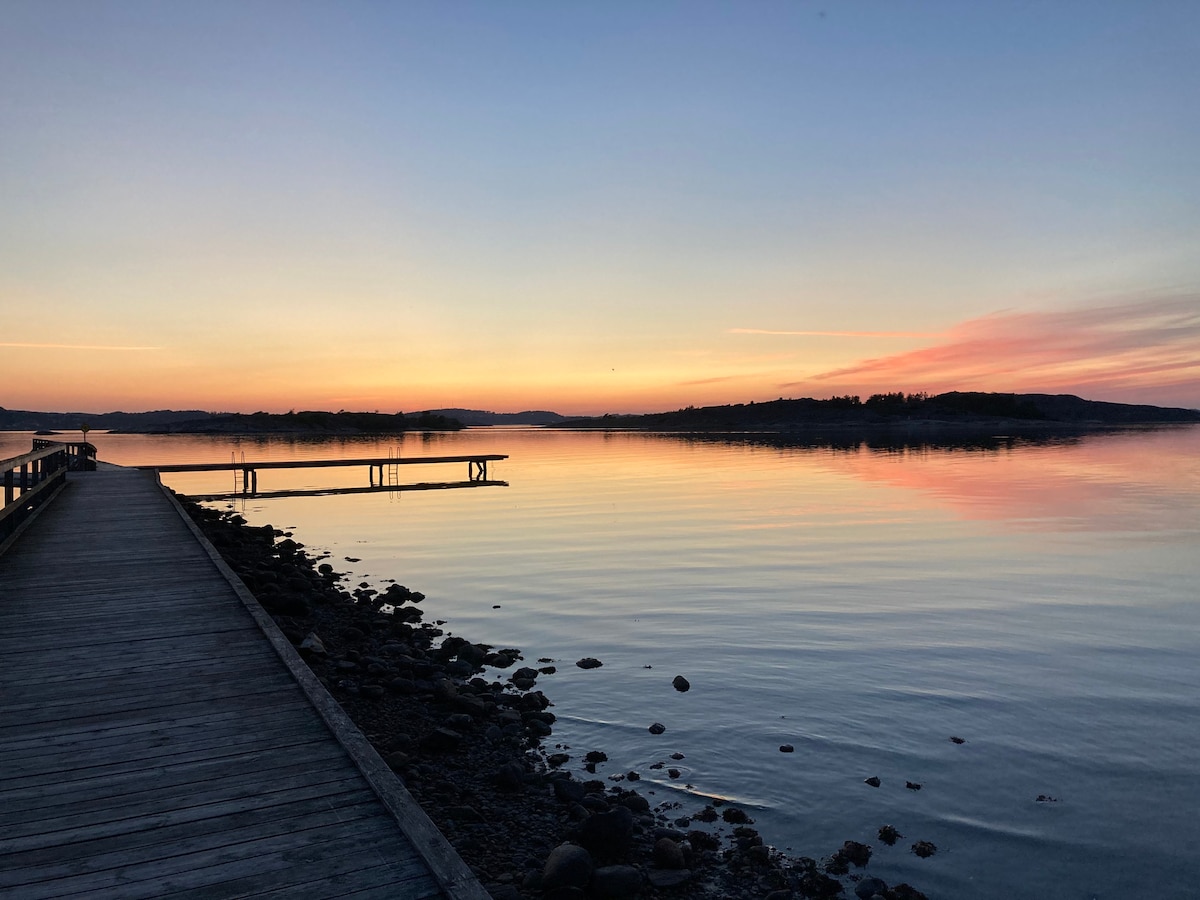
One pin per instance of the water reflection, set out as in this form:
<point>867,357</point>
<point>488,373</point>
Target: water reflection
<point>331,492</point>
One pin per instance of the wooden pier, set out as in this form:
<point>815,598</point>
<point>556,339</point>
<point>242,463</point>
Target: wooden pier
<point>159,736</point>
<point>477,468</point>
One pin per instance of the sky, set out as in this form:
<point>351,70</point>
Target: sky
<point>595,207</point>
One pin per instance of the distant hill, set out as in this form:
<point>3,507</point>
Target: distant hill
<point>477,417</point>
<point>28,420</point>
<point>199,422</point>
<point>956,408</point>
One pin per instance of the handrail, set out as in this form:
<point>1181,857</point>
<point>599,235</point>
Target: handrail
<point>81,455</point>
<point>29,481</point>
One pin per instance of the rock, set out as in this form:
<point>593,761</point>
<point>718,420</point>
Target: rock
<point>677,755</point>
<point>681,684</point>
<point>668,854</point>
<point>371,691</point>
<point>735,816</point>
<point>568,790</point>
<point>509,777</point>
<point>568,865</point>
<point>596,756</point>
<point>607,834</point>
<point>957,740</point>
<point>924,849</point>
<point>657,728</point>
<point>616,882</point>
<point>786,748</point>
<point>634,802</point>
<point>873,781</point>
<point>758,854</point>
<point>889,835</point>
<point>396,760</point>
<point>668,878</point>
<point>400,685</point>
<point>855,853</point>
<point>589,662</point>
<point>703,840</point>
<point>441,740</point>
<point>595,803</point>
<point>313,644</point>
<point>869,887</point>
<point>912,785</point>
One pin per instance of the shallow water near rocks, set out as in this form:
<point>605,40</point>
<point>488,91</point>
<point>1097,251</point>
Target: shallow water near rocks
<point>864,605</point>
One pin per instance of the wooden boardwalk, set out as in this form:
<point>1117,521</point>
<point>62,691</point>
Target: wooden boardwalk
<point>158,740</point>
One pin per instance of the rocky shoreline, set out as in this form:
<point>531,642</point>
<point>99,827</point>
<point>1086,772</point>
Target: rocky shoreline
<point>465,727</point>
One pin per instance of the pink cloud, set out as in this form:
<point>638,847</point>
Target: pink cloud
<point>1139,351</point>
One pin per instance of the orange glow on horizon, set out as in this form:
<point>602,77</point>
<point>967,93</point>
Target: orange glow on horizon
<point>1138,352</point>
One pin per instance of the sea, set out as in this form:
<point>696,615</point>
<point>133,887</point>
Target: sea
<point>1005,631</point>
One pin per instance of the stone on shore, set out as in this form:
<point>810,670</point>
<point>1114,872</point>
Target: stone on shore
<point>668,854</point>
<point>870,887</point>
<point>608,834</point>
<point>681,684</point>
<point>616,882</point>
<point>589,662</point>
<point>568,865</point>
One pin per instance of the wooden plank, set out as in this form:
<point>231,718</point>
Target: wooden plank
<point>197,837</point>
<point>85,854</point>
<point>114,819</point>
<point>127,781</point>
<point>206,722</point>
<point>260,857</point>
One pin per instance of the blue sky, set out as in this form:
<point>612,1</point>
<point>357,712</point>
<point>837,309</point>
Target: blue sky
<point>589,207</point>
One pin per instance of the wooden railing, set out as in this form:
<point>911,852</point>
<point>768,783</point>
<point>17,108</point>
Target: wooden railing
<point>29,481</point>
<point>81,456</point>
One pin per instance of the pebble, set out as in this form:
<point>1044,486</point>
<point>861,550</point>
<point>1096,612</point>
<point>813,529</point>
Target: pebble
<point>681,684</point>
<point>589,662</point>
<point>657,728</point>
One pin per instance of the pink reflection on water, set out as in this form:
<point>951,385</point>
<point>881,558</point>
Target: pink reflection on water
<point>1122,481</point>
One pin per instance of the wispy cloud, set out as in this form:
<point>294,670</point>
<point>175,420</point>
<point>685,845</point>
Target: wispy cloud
<point>846,334</point>
<point>1130,349</point>
<point>24,346</point>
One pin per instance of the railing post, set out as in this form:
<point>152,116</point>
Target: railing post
<point>9,485</point>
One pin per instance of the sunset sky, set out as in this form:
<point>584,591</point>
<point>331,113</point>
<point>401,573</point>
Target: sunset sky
<point>595,207</point>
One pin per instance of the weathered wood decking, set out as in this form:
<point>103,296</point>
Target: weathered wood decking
<point>156,741</point>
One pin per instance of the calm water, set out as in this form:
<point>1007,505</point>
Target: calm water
<point>862,605</point>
